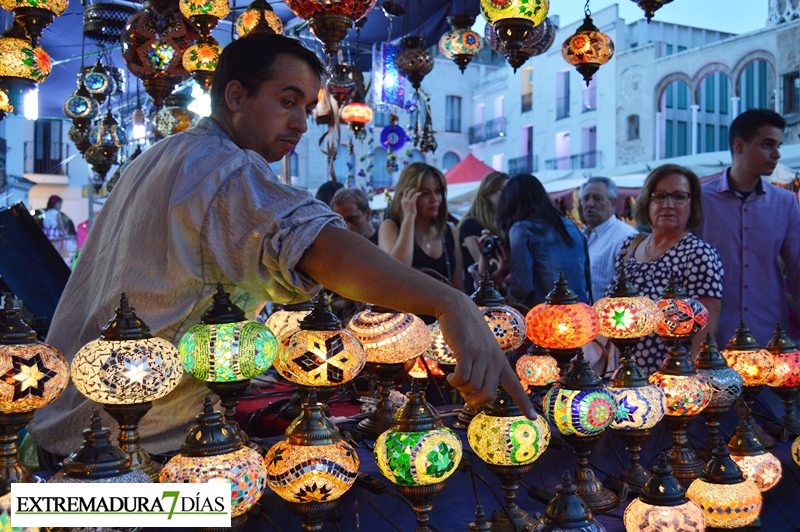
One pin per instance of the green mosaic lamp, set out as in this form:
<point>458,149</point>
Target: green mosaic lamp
<point>227,350</point>
<point>418,453</point>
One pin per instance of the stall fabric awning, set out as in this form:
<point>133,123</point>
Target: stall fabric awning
<point>467,170</point>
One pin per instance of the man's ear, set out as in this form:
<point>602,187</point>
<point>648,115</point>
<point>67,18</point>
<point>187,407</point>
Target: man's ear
<point>738,145</point>
<point>234,94</point>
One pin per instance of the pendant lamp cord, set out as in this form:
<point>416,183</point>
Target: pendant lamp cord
<point>586,10</point>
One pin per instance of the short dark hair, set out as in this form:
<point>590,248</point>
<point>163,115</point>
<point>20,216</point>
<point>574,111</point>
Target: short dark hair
<point>746,125</point>
<point>357,196</point>
<point>327,189</point>
<point>641,209</point>
<point>249,61</point>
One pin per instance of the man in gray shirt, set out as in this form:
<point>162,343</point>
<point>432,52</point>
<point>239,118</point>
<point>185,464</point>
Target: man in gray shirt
<point>203,207</point>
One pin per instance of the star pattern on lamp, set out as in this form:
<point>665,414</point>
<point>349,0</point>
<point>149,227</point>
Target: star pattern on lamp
<point>625,410</point>
<point>137,371</point>
<point>28,376</point>
<point>128,372</point>
<point>324,356</point>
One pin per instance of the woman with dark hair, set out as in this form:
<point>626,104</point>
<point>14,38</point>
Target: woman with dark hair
<point>59,228</point>
<point>670,204</point>
<point>543,243</point>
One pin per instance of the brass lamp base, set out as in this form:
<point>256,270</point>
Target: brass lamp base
<point>712,414</point>
<point>421,498</point>
<point>511,518</point>
<point>749,395</point>
<point>465,417</point>
<point>789,420</point>
<point>11,469</point>
<point>128,418</point>
<point>294,408</point>
<point>380,420</point>
<point>229,393</point>
<point>635,475</point>
<point>312,513</point>
<point>597,497</point>
<point>681,457</point>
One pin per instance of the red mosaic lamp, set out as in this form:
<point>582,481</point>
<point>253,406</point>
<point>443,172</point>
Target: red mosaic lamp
<point>785,380</point>
<point>330,21</point>
<point>681,316</point>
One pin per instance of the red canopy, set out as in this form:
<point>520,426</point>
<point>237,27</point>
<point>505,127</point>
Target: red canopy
<point>466,171</point>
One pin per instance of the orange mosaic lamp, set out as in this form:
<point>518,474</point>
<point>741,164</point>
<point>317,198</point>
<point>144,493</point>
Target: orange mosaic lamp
<point>681,316</point>
<point>32,375</point>
<point>785,380</point>
<point>259,17</point>
<point>536,368</point>
<point>562,324</point>
<point>588,48</point>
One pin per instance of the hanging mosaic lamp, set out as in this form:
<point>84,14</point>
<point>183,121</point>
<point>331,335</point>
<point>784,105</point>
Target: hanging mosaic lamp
<point>728,500</point>
<point>259,17</point>
<point>726,383</point>
<point>581,408</point>
<point>174,117</point>
<point>681,316</point>
<point>81,107</point>
<point>214,452</point>
<point>153,45</point>
<point>650,7</point>
<point>98,81</point>
<point>23,64</point>
<point>625,316</point>
<point>640,406</point>
<point>414,61</point>
<point>108,137</point>
<point>460,44</point>
<point>32,375</point>
<point>785,380</point>
<point>341,85</point>
<point>506,322</point>
<point>755,365</point>
<point>357,115</point>
<point>390,339</point>
<point>34,15</point>
<point>288,318</point>
<point>536,368</point>
<point>562,324</point>
<point>204,14</point>
<point>125,370</point>
<point>514,21</point>
<point>201,60</point>
<point>98,461</point>
<point>104,22</point>
<point>509,443</point>
<point>687,394</point>
<point>567,511</point>
<point>80,136</point>
<point>330,21</point>
<point>418,453</point>
<point>588,48</point>
<point>663,505</point>
<point>312,467</point>
<point>539,41</point>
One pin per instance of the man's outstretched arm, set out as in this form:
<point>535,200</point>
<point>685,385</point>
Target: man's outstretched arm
<point>353,267</point>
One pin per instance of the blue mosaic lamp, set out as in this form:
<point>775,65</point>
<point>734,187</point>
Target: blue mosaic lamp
<point>460,44</point>
<point>227,350</point>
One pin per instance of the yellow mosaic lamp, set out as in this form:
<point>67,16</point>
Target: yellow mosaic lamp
<point>23,64</point>
<point>259,17</point>
<point>287,319</point>
<point>214,452</point>
<point>32,375</point>
<point>312,467</point>
<point>588,48</point>
<point>513,22</point>
<point>125,370</point>
<point>418,453</point>
<point>34,15</point>
<point>201,60</point>
<point>727,499</point>
<point>389,339</point>
<point>509,443</point>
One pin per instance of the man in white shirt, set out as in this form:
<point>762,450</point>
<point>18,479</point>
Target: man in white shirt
<point>604,232</point>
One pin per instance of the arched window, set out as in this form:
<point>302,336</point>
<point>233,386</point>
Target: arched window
<point>449,160</point>
<point>633,127</point>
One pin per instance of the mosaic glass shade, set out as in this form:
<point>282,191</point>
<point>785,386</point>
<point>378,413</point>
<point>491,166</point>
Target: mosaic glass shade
<point>172,119</point>
<point>627,317</point>
<point>283,322</point>
<point>533,10</point>
<point>31,376</point>
<point>55,6</point>
<point>357,113</point>
<point>726,383</point>
<point>98,82</point>
<point>80,105</point>
<point>202,56</point>
<point>508,441</point>
<point>319,358</point>
<point>414,61</point>
<point>439,351</point>
<point>302,473</point>
<point>538,42</point>
<point>355,9</point>
<point>796,450</point>
<point>681,317</point>
<point>686,517</point>
<point>243,469</point>
<point>388,86</point>
<point>153,44</point>
<point>108,133</point>
<point>785,370</point>
<point>726,505</point>
<point>587,46</point>
<point>537,370</point>
<point>686,395</point>
<point>5,105</point>
<point>561,326</point>
<point>390,338</point>
<point>460,43</point>
<point>20,58</point>
<point>763,469</point>
<point>579,412</point>
<point>251,17</point>
<point>755,367</point>
<point>507,325</point>
<point>214,8</point>
<point>126,371</point>
<point>227,352</point>
<point>5,517</point>
<point>638,408</point>
<point>418,458</point>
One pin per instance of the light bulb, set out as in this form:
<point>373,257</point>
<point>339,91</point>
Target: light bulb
<point>139,130</point>
<point>30,104</point>
<point>202,101</point>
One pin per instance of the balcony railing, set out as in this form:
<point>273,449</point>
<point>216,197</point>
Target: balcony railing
<point>527,102</point>
<point>46,159</point>
<point>590,159</point>
<point>477,133</point>
<point>496,127</point>
<point>527,164</point>
<point>562,108</point>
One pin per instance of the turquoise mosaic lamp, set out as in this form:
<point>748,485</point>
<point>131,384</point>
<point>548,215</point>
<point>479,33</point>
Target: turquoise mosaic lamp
<point>418,453</point>
<point>227,350</point>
